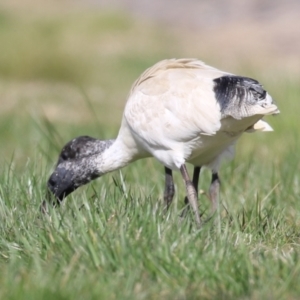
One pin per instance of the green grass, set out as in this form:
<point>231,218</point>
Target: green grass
<point>111,239</point>
<point>109,243</point>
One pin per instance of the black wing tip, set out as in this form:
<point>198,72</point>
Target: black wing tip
<point>231,88</point>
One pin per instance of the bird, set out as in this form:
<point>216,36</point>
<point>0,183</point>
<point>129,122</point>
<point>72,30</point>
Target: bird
<point>84,146</point>
<point>179,111</point>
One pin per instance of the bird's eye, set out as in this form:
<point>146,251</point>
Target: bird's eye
<point>64,156</point>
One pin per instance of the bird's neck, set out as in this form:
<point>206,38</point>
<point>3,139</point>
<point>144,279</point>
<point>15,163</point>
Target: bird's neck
<point>122,151</point>
<point>116,156</point>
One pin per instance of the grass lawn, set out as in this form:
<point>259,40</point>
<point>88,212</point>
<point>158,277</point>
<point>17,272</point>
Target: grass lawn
<point>67,73</point>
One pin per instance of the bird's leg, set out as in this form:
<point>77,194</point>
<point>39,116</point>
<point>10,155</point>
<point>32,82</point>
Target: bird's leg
<point>214,192</point>
<point>191,193</point>
<point>196,177</point>
<point>195,183</point>
<point>169,188</point>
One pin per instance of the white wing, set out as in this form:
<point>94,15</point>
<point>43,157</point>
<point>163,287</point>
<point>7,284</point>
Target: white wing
<point>183,110</point>
<point>174,104</point>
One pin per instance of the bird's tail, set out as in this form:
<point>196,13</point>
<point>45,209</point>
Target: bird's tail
<point>260,126</point>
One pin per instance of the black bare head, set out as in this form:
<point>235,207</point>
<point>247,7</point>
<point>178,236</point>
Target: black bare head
<point>78,148</point>
<point>71,174</point>
<point>76,165</point>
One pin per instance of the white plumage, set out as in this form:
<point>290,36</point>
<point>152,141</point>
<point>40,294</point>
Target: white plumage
<point>178,111</point>
<point>172,112</point>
